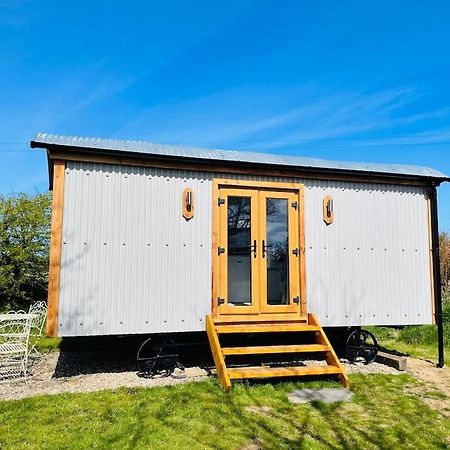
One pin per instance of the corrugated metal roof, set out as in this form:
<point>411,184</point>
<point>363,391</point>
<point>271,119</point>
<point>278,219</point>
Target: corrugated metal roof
<point>43,140</point>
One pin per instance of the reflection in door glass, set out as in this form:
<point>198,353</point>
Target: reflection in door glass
<point>277,251</point>
<point>239,256</point>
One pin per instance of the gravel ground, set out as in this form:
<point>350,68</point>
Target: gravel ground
<point>366,369</point>
<point>53,373</point>
<point>56,373</point>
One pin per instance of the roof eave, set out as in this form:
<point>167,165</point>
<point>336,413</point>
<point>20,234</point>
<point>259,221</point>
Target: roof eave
<point>297,169</point>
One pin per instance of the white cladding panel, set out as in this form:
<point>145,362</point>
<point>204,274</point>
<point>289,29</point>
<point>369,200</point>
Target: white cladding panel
<point>371,266</point>
<point>132,264</point>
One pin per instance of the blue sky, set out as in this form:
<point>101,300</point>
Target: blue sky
<point>363,81</point>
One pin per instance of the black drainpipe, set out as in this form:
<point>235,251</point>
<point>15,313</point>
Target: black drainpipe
<point>437,275</point>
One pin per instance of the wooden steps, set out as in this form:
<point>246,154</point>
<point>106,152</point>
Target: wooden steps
<point>269,372</point>
<point>250,319</point>
<point>266,330</point>
<point>265,349</point>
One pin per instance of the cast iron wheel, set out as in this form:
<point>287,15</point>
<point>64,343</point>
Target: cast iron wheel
<point>157,356</point>
<point>361,344</point>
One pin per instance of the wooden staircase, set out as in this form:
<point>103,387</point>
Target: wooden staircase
<point>315,332</point>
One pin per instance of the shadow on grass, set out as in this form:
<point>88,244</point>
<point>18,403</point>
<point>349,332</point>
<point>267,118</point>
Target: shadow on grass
<point>340,429</point>
<point>392,352</point>
<point>202,416</point>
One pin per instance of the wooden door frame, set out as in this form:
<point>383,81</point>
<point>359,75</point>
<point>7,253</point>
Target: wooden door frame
<point>218,183</point>
<point>294,261</point>
<point>222,267</point>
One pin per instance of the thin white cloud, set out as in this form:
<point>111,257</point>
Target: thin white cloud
<point>350,114</point>
<point>62,102</point>
<point>303,116</point>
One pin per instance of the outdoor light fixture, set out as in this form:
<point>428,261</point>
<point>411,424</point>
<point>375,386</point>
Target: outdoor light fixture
<point>188,204</point>
<point>328,214</point>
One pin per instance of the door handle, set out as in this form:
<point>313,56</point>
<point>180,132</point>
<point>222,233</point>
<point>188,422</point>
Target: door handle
<point>264,248</point>
<point>253,248</point>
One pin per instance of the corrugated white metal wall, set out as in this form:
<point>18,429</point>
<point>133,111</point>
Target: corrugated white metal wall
<point>372,265</point>
<point>132,264</point>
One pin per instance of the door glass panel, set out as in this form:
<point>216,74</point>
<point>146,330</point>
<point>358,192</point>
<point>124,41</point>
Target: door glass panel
<point>277,251</point>
<point>239,251</point>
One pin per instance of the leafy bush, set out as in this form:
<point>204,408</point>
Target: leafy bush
<point>444,253</point>
<point>446,307</point>
<point>24,246</point>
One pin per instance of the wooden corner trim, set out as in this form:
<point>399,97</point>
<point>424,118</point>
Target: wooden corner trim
<point>55,248</point>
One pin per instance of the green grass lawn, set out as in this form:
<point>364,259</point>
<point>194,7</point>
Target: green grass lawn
<point>386,412</point>
<point>46,344</point>
<point>419,341</point>
<point>397,340</point>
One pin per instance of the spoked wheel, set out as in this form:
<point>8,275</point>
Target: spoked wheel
<point>361,345</point>
<point>157,357</point>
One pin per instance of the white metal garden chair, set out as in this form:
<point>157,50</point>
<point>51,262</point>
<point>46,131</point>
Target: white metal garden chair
<point>38,314</point>
<point>14,340</point>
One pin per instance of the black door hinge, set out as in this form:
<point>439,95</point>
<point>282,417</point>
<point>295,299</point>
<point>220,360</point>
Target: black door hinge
<point>220,250</point>
<point>221,201</point>
<point>294,205</point>
<point>296,300</point>
<point>295,251</point>
<point>220,301</point>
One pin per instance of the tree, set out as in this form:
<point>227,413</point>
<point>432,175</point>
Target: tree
<point>444,252</point>
<point>24,246</point>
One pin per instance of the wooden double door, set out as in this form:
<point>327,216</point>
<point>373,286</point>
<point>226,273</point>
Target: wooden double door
<point>258,262</point>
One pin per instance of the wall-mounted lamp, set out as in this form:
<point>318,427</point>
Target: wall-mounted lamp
<point>188,204</point>
<point>328,214</point>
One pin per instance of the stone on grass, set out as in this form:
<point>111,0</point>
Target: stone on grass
<point>191,372</point>
<point>178,373</point>
<point>325,395</point>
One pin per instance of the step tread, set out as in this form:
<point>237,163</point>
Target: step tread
<point>265,349</point>
<point>269,372</point>
<point>257,320</point>
<point>264,328</point>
